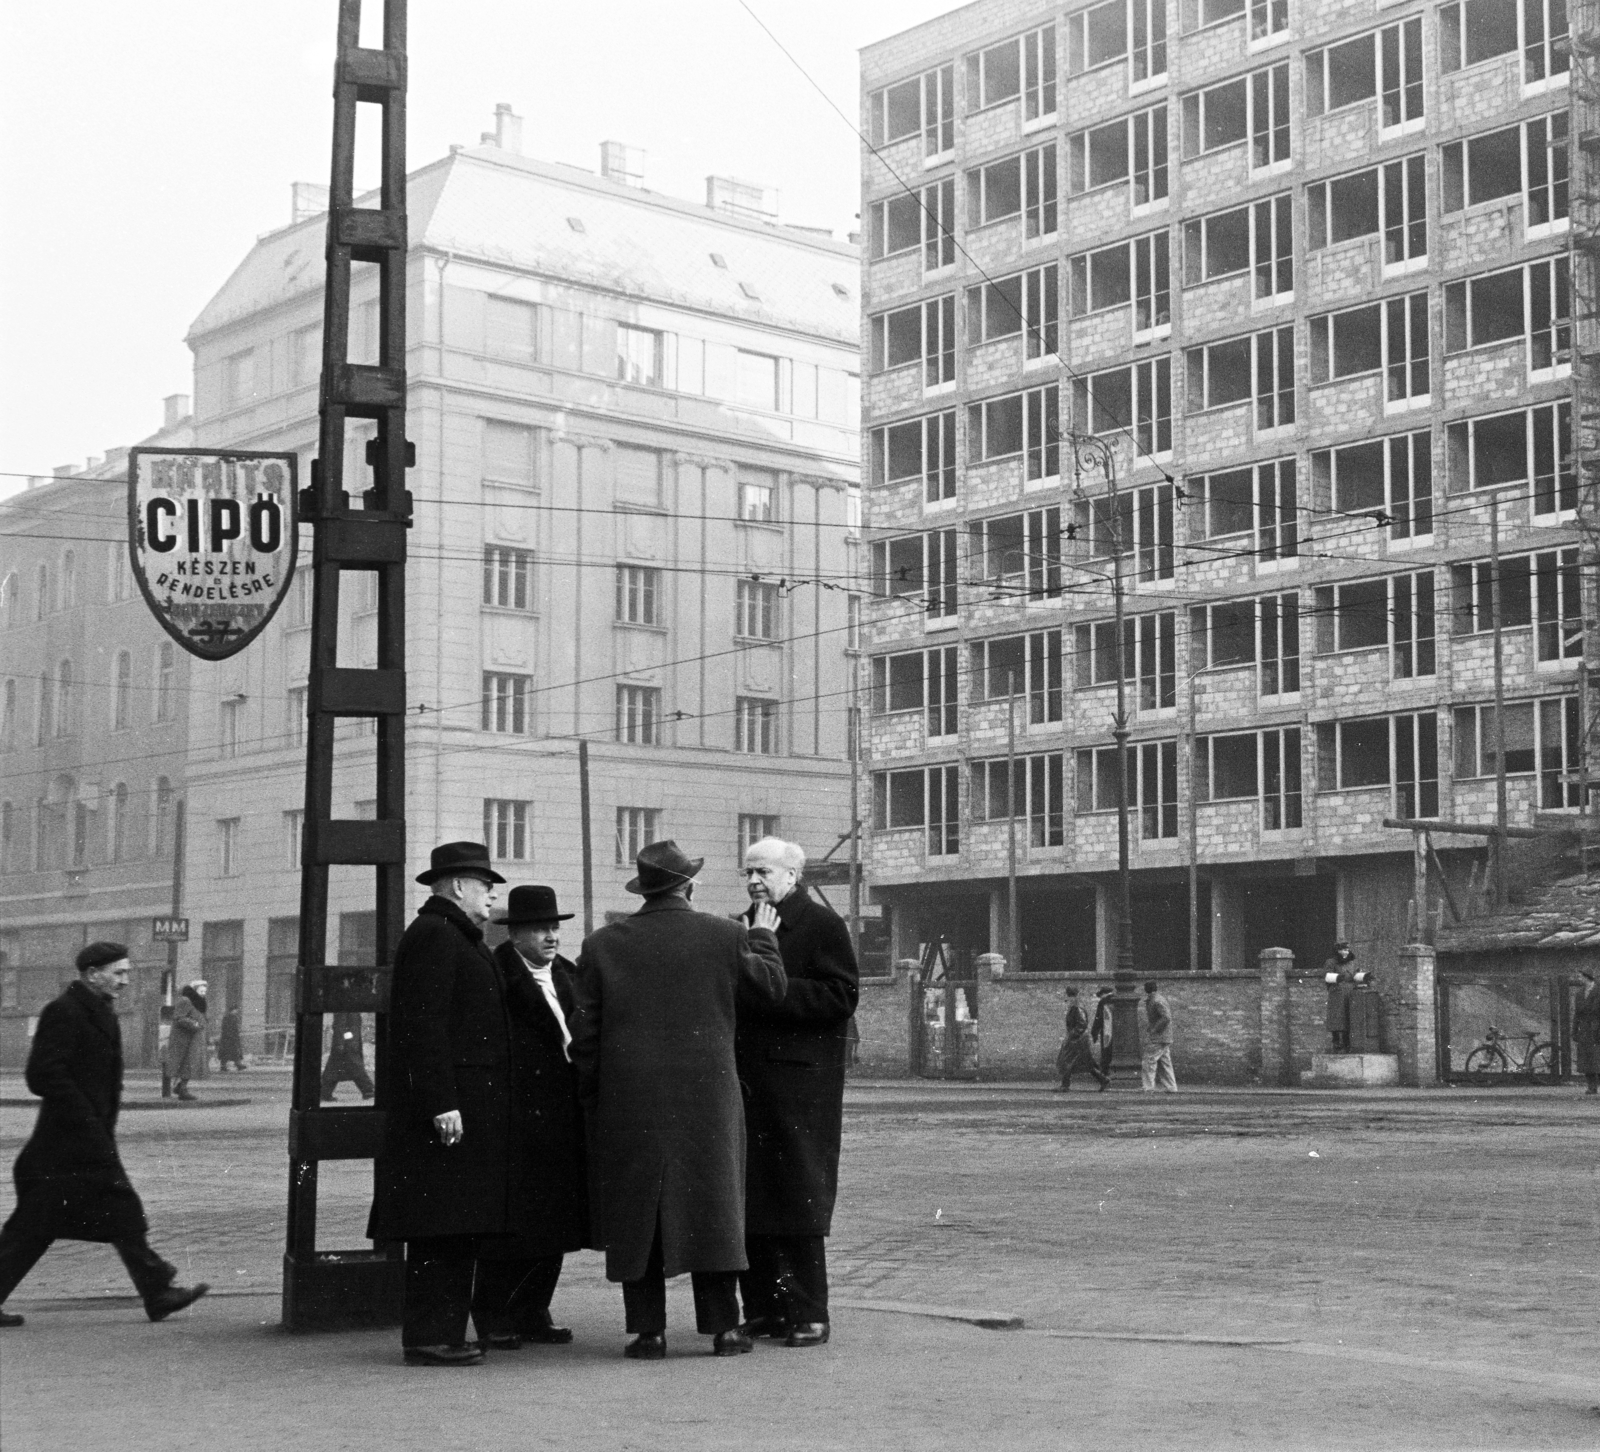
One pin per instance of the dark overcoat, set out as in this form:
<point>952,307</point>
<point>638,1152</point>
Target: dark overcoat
<point>1076,1054</point>
<point>792,1061</point>
<point>652,1039</point>
<point>548,1205</point>
<point>69,1177</point>
<point>1586,1032</point>
<point>449,1050</point>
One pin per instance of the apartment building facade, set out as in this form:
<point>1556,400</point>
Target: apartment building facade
<point>635,491</point>
<point>94,720</point>
<point>1305,272</point>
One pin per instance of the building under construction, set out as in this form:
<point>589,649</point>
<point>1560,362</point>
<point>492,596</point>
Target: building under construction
<point>1321,276</point>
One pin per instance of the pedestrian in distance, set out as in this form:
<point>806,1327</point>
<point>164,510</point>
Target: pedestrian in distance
<point>792,1056</point>
<point>1586,1031</point>
<point>69,1177</point>
<point>548,1205</point>
<point>1156,1066</point>
<point>653,1042</point>
<point>442,1177</point>
<point>1077,1051</point>
<point>188,1051</point>
<point>346,1059</point>
<point>1100,1032</point>
<point>1339,973</point>
<point>230,1043</point>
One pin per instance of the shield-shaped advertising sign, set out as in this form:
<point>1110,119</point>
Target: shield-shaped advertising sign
<point>212,535</point>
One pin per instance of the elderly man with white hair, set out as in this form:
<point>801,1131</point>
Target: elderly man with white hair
<point>791,1058</point>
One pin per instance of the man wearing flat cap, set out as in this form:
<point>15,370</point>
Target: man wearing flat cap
<point>652,1040</point>
<point>442,1180</point>
<point>548,1202</point>
<point>69,1177</point>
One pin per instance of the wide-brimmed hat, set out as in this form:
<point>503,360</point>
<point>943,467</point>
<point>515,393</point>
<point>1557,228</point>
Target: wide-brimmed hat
<point>1105,992</point>
<point>459,859</point>
<point>661,866</point>
<point>535,903</point>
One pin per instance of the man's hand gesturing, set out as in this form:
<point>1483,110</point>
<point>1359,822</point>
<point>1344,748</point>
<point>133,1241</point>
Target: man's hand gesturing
<point>766,916</point>
<point>448,1126</point>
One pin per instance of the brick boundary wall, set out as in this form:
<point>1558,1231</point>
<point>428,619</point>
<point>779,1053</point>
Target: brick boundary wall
<point>1229,1028</point>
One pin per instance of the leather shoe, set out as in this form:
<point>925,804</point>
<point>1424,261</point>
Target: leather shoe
<point>808,1333</point>
<point>10,1318</point>
<point>647,1346</point>
<point>731,1343</point>
<point>546,1335</point>
<point>500,1341</point>
<point>174,1298</point>
<point>443,1355</point>
<point>774,1326</point>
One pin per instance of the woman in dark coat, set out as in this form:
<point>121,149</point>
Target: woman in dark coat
<point>791,1058</point>
<point>548,1197</point>
<point>1586,1031</point>
<point>188,1053</point>
<point>69,1176</point>
<point>441,1181</point>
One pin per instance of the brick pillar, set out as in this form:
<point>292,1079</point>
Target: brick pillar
<point>1275,965</point>
<point>1406,991</point>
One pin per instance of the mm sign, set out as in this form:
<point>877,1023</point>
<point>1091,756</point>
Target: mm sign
<point>212,535</point>
<point>169,930</point>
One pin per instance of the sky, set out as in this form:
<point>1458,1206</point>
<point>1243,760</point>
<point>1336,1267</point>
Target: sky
<point>145,144</point>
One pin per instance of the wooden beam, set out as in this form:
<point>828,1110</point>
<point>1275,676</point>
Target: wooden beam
<point>1467,829</point>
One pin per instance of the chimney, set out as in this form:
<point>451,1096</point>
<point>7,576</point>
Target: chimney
<point>64,471</point>
<point>507,133</point>
<point>621,163</point>
<point>94,461</point>
<point>308,199</point>
<point>742,199</point>
<point>174,409</point>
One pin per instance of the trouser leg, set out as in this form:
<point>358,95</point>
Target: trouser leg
<point>1594,1083</point>
<point>1147,1069</point>
<point>149,1273</point>
<point>531,1297</point>
<point>19,1253</point>
<point>716,1301</point>
<point>361,1079</point>
<point>1165,1078</point>
<point>804,1278</point>
<point>644,1301</point>
<point>758,1286</point>
<point>493,1283</point>
<point>438,1290</point>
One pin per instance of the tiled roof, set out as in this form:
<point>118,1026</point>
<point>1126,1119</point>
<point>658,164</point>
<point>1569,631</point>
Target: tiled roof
<point>487,204</point>
<point>1564,915</point>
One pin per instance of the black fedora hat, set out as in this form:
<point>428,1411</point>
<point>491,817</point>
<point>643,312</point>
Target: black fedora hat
<point>661,865</point>
<point>533,904</point>
<point>459,859</point>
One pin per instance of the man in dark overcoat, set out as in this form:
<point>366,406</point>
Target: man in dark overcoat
<point>548,1212</point>
<point>69,1176</point>
<point>652,1039</point>
<point>442,1178</point>
<point>791,1057</point>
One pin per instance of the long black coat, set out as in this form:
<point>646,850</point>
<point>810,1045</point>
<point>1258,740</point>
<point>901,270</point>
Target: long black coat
<point>652,1040</point>
<point>548,1210</point>
<point>69,1177</point>
<point>791,1059</point>
<point>449,1049</point>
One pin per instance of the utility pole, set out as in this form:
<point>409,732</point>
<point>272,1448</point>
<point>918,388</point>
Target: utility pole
<point>169,987</point>
<point>1194,833</point>
<point>1013,933</point>
<point>586,834</point>
<point>1497,844</point>
<point>853,726</point>
<point>1095,454</point>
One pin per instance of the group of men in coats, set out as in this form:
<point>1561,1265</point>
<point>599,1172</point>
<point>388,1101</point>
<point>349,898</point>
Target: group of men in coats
<point>674,1098</point>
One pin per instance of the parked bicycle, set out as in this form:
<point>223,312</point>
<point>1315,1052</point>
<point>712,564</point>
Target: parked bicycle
<point>1498,1054</point>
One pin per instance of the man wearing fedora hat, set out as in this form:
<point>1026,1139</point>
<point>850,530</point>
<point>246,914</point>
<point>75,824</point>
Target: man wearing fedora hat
<point>548,1211</point>
<point>442,1179</point>
<point>653,1042</point>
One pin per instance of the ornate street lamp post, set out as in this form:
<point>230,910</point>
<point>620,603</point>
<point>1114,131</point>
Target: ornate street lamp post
<point>1090,455</point>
